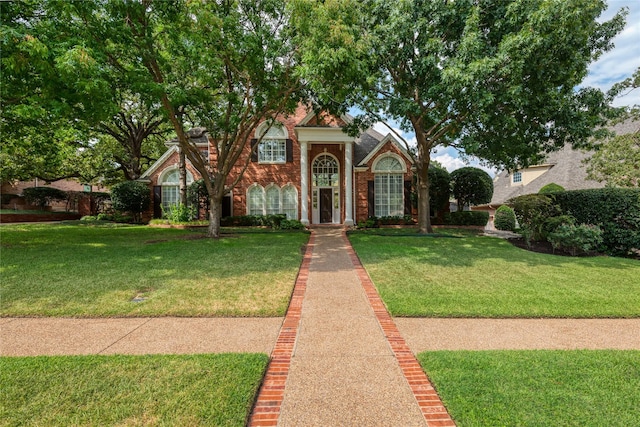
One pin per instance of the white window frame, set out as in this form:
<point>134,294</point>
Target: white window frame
<point>251,210</point>
<point>273,145</point>
<point>171,188</point>
<point>290,209</point>
<point>273,205</point>
<point>389,185</point>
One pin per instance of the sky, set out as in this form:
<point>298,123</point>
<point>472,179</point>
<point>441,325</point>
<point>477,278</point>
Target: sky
<point>612,67</point>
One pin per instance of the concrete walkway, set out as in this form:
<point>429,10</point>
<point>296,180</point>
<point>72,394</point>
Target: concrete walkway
<point>340,360</point>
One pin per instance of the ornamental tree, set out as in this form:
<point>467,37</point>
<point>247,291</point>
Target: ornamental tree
<point>493,79</point>
<point>471,186</point>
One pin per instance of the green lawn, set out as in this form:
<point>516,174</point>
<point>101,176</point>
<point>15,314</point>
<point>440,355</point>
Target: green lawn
<point>194,390</point>
<point>537,388</point>
<point>85,271</point>
<point>475,276</point>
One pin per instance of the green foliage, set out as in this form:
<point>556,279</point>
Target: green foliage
<point>471,186</point>
<point>421,63</point>
<point>273,221</point>
<point>179,213</point>
<point>439,189</point>
<point>551,188</point>
<point>198,196</point>
<point>615,210</point>
<point>576,238</point>
<point>371,222</point>
<point>43,196</point>
<point>131,196</point>
<point>477,218</point>
<point>532,212</point>
<point>291,224</point>
<point>505,218</point>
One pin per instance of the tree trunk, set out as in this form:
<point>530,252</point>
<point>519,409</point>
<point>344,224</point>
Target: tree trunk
<point>424,216</point>
<point>183,177</point>
<point>215,213</point>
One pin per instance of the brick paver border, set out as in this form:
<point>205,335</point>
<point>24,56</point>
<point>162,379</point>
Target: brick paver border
<point>433,410</point>
<point>266,410</point>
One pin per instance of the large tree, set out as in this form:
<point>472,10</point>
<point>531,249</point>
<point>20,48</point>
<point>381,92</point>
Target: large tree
<point>59,103</point>
<point>494,79</point>
<point>616,160</point>
<point>225,65</point>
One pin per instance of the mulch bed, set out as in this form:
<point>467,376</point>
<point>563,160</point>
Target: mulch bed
<point>544,247</point>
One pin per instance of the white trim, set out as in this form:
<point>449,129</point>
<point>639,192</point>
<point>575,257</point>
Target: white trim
<point>403,164</point>
<point>247,198</point>
<point>348,191</point>
<point>170,169</point>
<point>265,124</point>
<point>324,135</point>
<point>311,114</point>
<point>304,183</point>
<point>381,144</point>
<point>159,162</point>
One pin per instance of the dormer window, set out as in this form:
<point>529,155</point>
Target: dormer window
<point>517,177</point>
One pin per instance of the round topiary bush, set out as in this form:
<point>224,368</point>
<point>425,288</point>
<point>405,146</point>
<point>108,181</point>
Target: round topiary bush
<point>505,218</point>
<point>551,188</point>
<point>131,196</point>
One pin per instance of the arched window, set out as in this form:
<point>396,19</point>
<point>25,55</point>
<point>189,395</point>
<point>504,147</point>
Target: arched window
<point>255,200</point>
<point>170,182</point>
<point>273,200</point>
<point>273,147</point>
<point>325,171</point>
<point>388,187</point>
<point>290,201</point>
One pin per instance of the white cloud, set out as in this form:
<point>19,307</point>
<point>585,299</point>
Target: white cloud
<point>619,63</point>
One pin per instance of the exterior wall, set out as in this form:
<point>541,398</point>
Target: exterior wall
<point>362,178</point>
<point>20,203</point>
<point>530,174</point>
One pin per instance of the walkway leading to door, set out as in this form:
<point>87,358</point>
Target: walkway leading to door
<point>339,359</point>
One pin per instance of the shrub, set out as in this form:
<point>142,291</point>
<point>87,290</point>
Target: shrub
<point>43,196</point>
<point>439,190</point>
<point>615,210</point>
<point>505,218</point>
<point>132,197</point>
<point>291,224</point>
<point>7,197</point>
<point>575,238</point>
<point>532,212</point>
<point>371,222</point>
<point>273,221</point>
<point>551,188</point>
<point>179,213</point>
<point>89,218</point>
<point>478,218</point>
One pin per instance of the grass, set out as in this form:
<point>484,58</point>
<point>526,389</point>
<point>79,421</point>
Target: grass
<point>31,211</point>
<point>194,390</point>
<point>537,388</point>
<point>94,271</point>
<point>475,276</point>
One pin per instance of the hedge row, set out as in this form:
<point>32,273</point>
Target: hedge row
<point>615,210</point>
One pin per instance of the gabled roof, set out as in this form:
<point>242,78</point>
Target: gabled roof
<point>197,135</point>
<point>372,152</point>
<point>172,149</point>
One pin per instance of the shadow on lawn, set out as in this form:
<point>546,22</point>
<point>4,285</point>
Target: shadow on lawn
<point>467,251</point>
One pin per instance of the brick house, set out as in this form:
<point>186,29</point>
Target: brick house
<point>305,167</point>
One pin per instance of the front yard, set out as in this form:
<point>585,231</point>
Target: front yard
<point>464,275</point>
<point>193,390</point>
<point>100,271</point>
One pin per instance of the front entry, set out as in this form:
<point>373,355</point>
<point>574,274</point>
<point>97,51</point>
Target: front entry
<point>326,205</point>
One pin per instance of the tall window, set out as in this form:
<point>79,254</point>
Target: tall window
<point>171,188</point>
<point>273,147</point>
<point>389,187</point>
<point>290,202</point>
<point>273,200</point>
<point>517,177</point>
<point>255,200</point>
<point>325,171</point>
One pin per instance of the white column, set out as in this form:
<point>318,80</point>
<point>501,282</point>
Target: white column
<point>304,184</point>
<point>348,171</point>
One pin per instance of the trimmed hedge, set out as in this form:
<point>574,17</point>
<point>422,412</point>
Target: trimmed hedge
<point>43,196</point>
<point>272,221</point>
<point>505,218</point>
<point>478,218</point>
<point>615,210</point>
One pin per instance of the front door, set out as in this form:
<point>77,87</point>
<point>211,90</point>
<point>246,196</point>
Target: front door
<point>326,205</point>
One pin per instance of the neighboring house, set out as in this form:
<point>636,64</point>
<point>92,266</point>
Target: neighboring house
<point>305,167</point>
<point>12,194</point>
